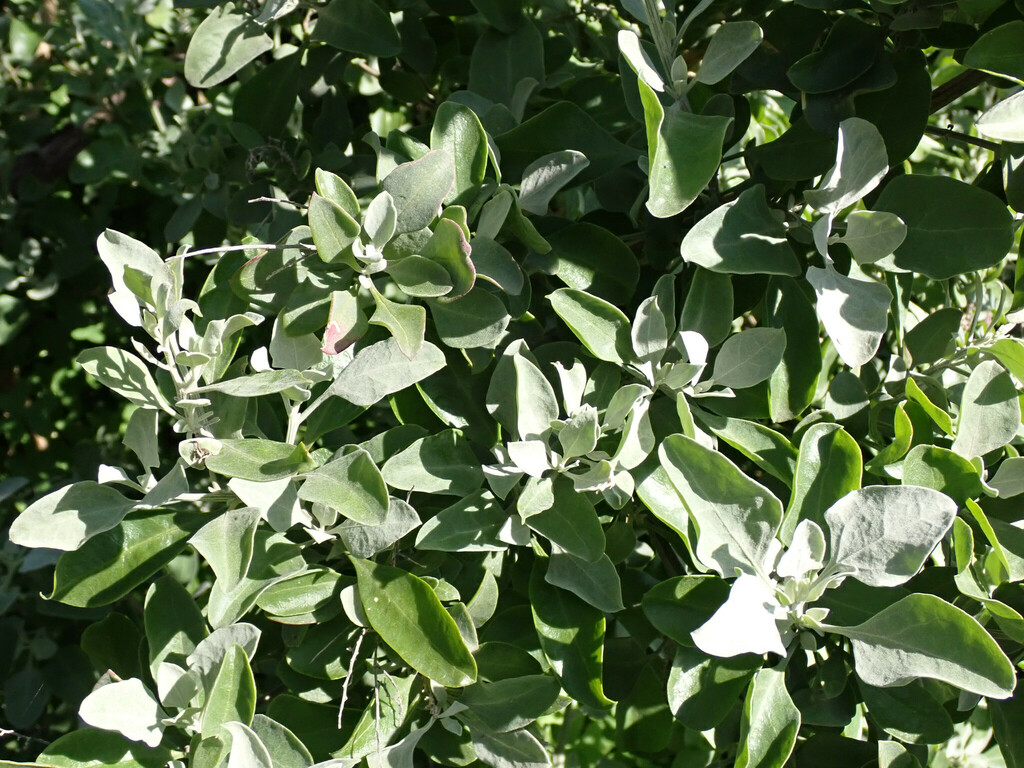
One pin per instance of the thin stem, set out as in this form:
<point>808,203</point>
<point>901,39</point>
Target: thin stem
<point>349,676</point>
<point>294,422</point>
<point>934,130</point>
<point>249,247</point>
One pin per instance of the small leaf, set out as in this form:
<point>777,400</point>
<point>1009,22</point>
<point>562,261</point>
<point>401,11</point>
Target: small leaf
<point>126,374</point>
<point>546,175</point>
<point>233,695</point>
<point>924,636</point>
<point>600,326</point>
<point>407,323</point>
<point>748,358</point>
<point>770,724</point>
<point>406,613</point>
<point>457,130</point>
<point>420,187</point>
<point>357,26</point>
<point>259,460</point>
<point>332,227</point>
<point>745,623</point>
<point>441,463</point>
<point>1004,121</point>
<point>702,689</point>
<point>861,163</point>
<point>470,525</point>
<point>381,369</point>
<point>873,235</point>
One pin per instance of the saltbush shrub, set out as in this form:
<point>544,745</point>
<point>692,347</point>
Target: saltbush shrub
<point>587,384</point>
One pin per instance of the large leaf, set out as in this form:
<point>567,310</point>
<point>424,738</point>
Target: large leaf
<point>127,707</point>
<point>457,130</point>
<point>351,484</point>
<point>419,188</point>
<point>112,564</point>
<point>259,460</point>
<point>406,613</point>
<point>93,748</point>
<point>737,517</point>
<point>999,50</point>
<point>572,638</point>
<point>226,41</point>
<point>748,358</point>
<point>924,636</point>
<point>854,312</point>
<point>440,463</point>
<point>1005,121</point>
<point>126,374</point>
<point>602,327</point>
<point>861,162</point>
<point>684,151</point>
<point>233,695</point>
<point>952,227</point>
<point>727,49</point>
<point>357,26</point>
<point>382,369</point>
<point>741,237</point>
<point>989,411</point>
<point>770,722</point>
<point>68,518</point>
<point>882,534</point>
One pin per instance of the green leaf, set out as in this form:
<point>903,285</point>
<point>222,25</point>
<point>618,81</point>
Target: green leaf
<point>678,606</point>
<point>520,397</point>
<point>226,41</point>
<point>855,312</point>
<point>419,188</point>
<point>457,130</point>
<point>350,484</point>
<point>709,308</point>
<point>861,163</point>
<point>368,540</point>
<point>684,151</point>
<point>510,749</point>
<point>381,369</point>
<point>727,49</point>
<point>441,463</point>
<point>259,460</point>
<point>741,237</point>
<point>563,125</point>
<point>283,746</point>
<point>259,384</point>
<point>233,695</point>
<point>92,748</point>
<point>226,543</point>
<point>945,471</point>
<point>881,535</point>
<point>470,525</point>
<point>357,26</point>
<point>596,582</point>
<point>476,320</point>
<point>703,690</point>
<point>924,636</point>
<point>999,50</point>
<point>770,722</point>
<point>406,613</point>
<point>793,385</point>
<point>111,565</point>
<point>934,337</point>
<point>449,247</point>
<point>494,263</point>
<point>600,326</point>
<point>174,625</point>
<point>849,50</point>
<point>501,61</point>
<point>989,411</point>
<point>590,258</point>
<point>128,708</point>
<point>1007,719</point>
<point>829,466</point>
<point>335,190</point>
<point>737,517</point>
<point>1004,121</point>
<point>316,592</point>
<point>873,235</point>
<point>748,358</point>
<point>952,227</point>
<point>508,705</point>
<point>333,228</point>
<point>126,374</point>
<point>572,639</point>
<point>767,448</point>
<point>420,277</point>
<point>407,323</point>
<point>119,253</point>
<point>571,522</point>
<point>69,517</point>
<point>909,712</point>
<point>545,176</point>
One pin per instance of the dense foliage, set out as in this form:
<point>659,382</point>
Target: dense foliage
<point>512,384</point>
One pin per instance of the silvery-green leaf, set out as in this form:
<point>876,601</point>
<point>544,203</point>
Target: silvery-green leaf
<point>126,374</point>
<point>771,722</point>
<point>1004,121</point>
<point>745,623</point>
<point>882,534</point>
<point>749,357</point>
<point>1009,478</point>
<point>873,235</point>
<point>854,312</point>
<point>545,176</point>
<point>381,369</point>
<point>806,552</point>
<point>247,751</point>
<point>578,436</point>
<point>530,456</point>
<point>470,525</point>
<point>258,384</point>
<point>407,323</point>
<point>226,542</point>
<point>989,411</point>
<point>351,484</point>
<point>206,659</point>
<point>633,51</point>
<point>595,582</point>
<point>399,755</point>
<point>127,707</point>
<point>440,463</point>
<point>728,48</point>
<point>861,162</point>
<point>120,252</point>
<point>277,501</point>
<point>367,540</point>
<point>924,636</point>
<point>67,518</point>
<point>380,220</point>
<point>600,326</point>
<point>737,517</point>
<point>513,749</point>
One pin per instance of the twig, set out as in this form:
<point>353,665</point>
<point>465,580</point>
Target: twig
<point>952,90</point>
<point>348,677</point>
<point>250,247</point>
<point>934,130</point>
